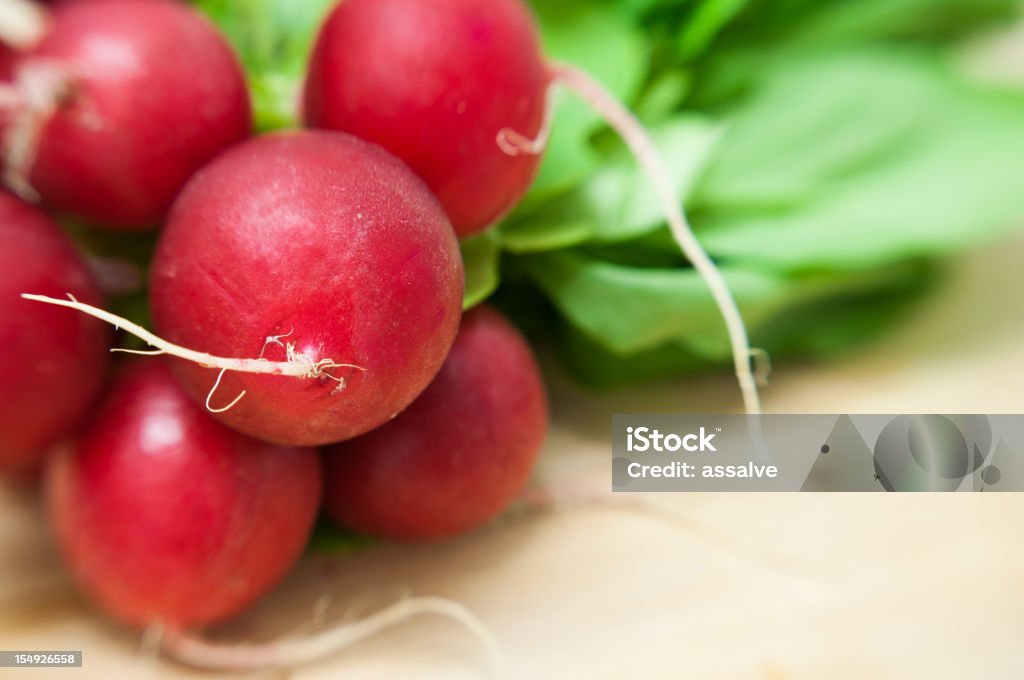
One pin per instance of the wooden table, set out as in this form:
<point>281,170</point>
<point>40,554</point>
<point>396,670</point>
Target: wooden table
<point>766,587</point>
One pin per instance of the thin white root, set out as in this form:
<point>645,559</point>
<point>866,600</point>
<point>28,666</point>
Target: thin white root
<point>209,396</point>
<point>639,142</point>
<point>40,88</point>
<point>199,653</point>
<point>148,653</point>
<point>274,340</point>
<point>297,366</point>
<point>23,23</point>
<point>514,143</point>
<point>139,352</point>
<point>643,148</point>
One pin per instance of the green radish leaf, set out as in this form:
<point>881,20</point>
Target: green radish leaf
<point>546,231</point>
<point>810,121</point>
<point>605,43</point>
<point>630,309</point>
<point>620,197</point>
<point>825,328</point>
<point>273,39</point>
<point>597,367</point>
<point>656,249</point>
<point>275,100</point>
<point>708,20</point>
<point>768,25</point>
<point>663,97</point>
<point>641,7</point>
<point>839,323</point>
<point>924,165</point>
<point>618,202</point>
<point>836,22</point>
<point>480,255</point>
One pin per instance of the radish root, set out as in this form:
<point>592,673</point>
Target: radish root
<point>216,384</point>
<point>23,23</point>
<point>639,142</point>
<point>514,143</point>
<point>194,651</point>
<point>148,652</point>
<point>297,365</point>
<point>274,340</point>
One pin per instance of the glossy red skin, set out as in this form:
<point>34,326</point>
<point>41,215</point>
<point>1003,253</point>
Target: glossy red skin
<point>158,94</point>
<point>52,361</point>
<point>455,458</point>
<point>163,514</point>
<point>433,82</point>
<point>6,59</point>
<point>331,241</point>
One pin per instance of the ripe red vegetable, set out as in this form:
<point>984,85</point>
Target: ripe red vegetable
<point>164,515</point>
<point>321,244</point>
<point>147,91</point>
<point>459,455</point>
<point>52,362</point>
<point>434,82</point>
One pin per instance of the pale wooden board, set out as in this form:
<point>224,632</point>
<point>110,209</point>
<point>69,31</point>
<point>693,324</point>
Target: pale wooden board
<point>766,587</point>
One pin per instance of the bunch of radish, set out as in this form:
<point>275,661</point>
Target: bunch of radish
<point>306,291</point>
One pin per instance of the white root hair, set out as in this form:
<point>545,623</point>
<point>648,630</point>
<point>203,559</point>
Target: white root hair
<point>297,365</point>
<point>515,143</point>
<point>640,144</point>
<point>284,653</point>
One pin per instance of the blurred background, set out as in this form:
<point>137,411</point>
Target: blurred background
<point>857,169</point>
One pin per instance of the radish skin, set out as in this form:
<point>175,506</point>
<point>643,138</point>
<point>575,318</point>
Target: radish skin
<point>434,82</point>
<point>121,101</point>
<point>166,516</point>
<point>459,455</point>
<point>52,363</point>
<point>303,248</point>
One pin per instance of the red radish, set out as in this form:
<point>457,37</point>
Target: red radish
<point>458,90</point>
<point>166,516</point>
<point>122,101</point>
<point>435,82</point>
<point>52,363</point>
<point>459,455</point>
<point>316,250</point>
